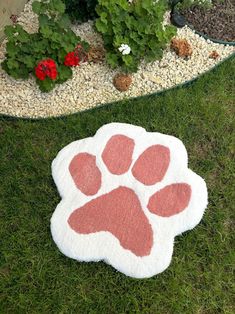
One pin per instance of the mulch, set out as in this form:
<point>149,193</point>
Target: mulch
<point>217,22</point>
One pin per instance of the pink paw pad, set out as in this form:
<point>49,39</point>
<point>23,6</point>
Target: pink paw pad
<point>117,154</point>
<point>103,214</point>
<point>85,173</point>
<point>152,165</point>
<point>129,207</point>
<point>171,200</point>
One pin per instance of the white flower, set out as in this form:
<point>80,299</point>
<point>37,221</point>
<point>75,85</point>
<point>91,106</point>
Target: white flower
<point>124,49</point>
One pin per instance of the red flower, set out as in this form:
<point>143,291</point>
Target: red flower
<point>71,59</point>
<point>46,68</point>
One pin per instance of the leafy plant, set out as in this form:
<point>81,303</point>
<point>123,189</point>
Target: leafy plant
<point>133,31</point>
<point>44,51</point>
<point>81,10</point>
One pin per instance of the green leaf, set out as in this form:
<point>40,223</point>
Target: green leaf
<point>37,7</point>
<point>64,21</point>
<point>11,49</point>
<point>61,55</point>
<point>112,59</point>
<point>101,26</point>
<point>64,73</point>
<point>29,62</point>
<point>128,59</point>
<point>72,38</point>
<point>58,5</point>
<point>40,46</point>
<point>23,36</point>
<point>46,85</point>
<point>9,31</point>
<point>56,37</point>
<point>46,31</point>
<point>103,17</point>
<point>43,20</point>
<point>12,64</point>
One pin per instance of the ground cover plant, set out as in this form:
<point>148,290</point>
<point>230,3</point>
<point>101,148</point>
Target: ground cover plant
<point>133,31</point>
<point>37,278</point>
<point>48,54</point>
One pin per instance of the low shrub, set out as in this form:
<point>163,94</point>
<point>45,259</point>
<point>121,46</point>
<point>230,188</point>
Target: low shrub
<point>133,30</point>
<point>47,54</point>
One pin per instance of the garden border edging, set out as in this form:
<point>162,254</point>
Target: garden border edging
<point>217,41</point>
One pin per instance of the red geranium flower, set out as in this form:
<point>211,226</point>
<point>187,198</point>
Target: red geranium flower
<point>46,68</point>
<point>71,59</point>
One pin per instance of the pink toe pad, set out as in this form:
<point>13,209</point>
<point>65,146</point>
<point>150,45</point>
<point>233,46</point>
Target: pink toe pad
<point>152,165</point>
<point>117,154</point>
<point>85,173</point>
<point>171,200</point>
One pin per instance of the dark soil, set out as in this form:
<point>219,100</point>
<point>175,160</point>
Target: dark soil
<point>217,22</point>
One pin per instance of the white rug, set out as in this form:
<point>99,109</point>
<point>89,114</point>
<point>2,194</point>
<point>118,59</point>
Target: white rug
<point>126,193</point>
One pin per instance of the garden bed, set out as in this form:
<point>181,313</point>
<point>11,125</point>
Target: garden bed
<point>218,22</point>
<point>92,83</point>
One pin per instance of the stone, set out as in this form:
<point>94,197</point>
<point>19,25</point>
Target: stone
<point>122,82</point>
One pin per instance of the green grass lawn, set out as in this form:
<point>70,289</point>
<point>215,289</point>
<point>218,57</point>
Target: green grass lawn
<point>36,278</point>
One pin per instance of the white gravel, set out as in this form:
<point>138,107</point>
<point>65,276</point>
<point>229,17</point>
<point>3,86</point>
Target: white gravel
<point>91,84</point>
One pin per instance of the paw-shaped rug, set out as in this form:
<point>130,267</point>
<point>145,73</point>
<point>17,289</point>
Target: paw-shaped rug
<point>126,193</point>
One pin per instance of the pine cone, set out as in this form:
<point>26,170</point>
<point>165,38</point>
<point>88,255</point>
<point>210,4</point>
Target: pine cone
<point>214,55</point>
<point>181,47</point>
<point>122,82</point>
